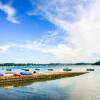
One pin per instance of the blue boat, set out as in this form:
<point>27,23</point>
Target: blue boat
<point>25,73</point>
<point>1,74</point>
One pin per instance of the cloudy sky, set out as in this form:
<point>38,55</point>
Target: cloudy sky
<point>45,31</point>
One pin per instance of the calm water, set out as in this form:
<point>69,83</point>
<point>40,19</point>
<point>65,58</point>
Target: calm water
<point>84,87</point>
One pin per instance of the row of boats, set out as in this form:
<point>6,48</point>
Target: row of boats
<point>27,71</point>
<point>16,74</point>
<point>65,69</point>
<point>88,69</point>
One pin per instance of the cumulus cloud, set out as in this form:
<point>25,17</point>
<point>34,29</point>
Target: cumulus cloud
<point>80,20</point>
<point>10,11</point>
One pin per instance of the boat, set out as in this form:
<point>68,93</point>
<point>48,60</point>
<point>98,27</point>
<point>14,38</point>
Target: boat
<point>8,75</point>
<point>16,74</point>
<point>34,72</point>
<point>90,69</point>
<point>1,74</point>
<point>9,72</point>
<point>25,73</point>
<point>8,69</point>
<point>37,69</point>
<point>25,69</point>
<point>67,69</point>
<point>50,69</point>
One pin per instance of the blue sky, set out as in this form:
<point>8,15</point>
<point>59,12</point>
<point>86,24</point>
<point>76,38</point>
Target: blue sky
<point>38,31</point>
<point>29,27</point>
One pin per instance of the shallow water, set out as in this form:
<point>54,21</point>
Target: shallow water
<point>84,87</point>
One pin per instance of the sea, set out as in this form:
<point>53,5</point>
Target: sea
<point>83,87</point>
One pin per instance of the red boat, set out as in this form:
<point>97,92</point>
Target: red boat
<point>16,74</point>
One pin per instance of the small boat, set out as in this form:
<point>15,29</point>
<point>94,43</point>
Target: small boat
<point>50,69</point>
<point>25,69</point>
<point>67,69</point>
<point>8,75</point>
<point>90,69</point>
<point>37,69</point>
<point>16,74</point>
<point>25,73</point>
<point>1,74</point>
<point>9,72</point>
<point>34,72</point>
<point>8,69</point>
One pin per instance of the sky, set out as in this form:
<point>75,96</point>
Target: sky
<point>49,31</point>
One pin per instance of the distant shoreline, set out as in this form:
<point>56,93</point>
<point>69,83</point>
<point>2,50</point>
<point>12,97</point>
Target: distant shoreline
<point>49,64</point>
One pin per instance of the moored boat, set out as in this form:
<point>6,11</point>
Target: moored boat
<point>50,69</point>
<point>25,69</point>
<point>37,69</point>
<point>90,69</point>
<point>67,69</point>
<point>8,69</point>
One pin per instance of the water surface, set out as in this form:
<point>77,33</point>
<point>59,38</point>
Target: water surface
<point>84,87</point>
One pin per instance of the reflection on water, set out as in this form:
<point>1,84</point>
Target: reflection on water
<point>87,88</point>
<point>84,87</point>
<point>15,84</point>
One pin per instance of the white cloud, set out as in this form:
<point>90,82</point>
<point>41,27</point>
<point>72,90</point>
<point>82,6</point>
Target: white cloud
<point>33,45</point>
<point>5,48</point>
<point>10,11</point>
<point>81,42</point>
<point>80,20</point>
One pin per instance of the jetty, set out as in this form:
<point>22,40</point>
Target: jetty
<point>38,77</point>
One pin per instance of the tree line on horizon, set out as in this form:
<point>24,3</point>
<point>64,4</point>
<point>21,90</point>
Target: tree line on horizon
<point>33,64</point>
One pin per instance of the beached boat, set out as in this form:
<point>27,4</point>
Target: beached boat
<point>1,74</point>
<point>9,72</point>
<point>15,74</point>
<point>25,73</point>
